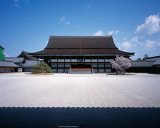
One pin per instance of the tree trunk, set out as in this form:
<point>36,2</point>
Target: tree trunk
<point>120,72</point>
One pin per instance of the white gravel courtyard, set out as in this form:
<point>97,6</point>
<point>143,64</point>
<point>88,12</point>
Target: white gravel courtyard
<point>79,90</point>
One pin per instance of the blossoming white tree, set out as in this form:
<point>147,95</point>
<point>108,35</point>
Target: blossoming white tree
<point>120,64</point>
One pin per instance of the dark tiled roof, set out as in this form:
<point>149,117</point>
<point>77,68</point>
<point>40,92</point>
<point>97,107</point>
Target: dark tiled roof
<point>7,64</point>
<point>153,57</point>
<point>15,59</point>
<point>142,63</point>
<point>157,62</point>
<point>81,52</point>
<point>80,42</point>
<point>26,55</point>
<point>80,45</point>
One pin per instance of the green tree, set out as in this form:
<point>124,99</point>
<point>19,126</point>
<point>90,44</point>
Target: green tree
<point>41,68</point>
<point>139,59</point>
<point>145,56</point>
<point>2,56</point>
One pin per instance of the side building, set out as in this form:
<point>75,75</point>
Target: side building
<point>148,65</point>
<point>80,53</point>
<point>6,66</point>
<point>22,63</point>
<point>28,61</point>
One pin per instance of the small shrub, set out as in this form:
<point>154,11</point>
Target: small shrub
<point>41,68</point>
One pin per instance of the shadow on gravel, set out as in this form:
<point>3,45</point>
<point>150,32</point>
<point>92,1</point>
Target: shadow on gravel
<point>126,74</point>
<point>79,117</point>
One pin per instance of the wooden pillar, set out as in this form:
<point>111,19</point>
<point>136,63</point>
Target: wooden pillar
<point>37,60</point>
<point>70,60</point>
<point>49,61</point>
<point>70,64</point>
<point>46,60</point>
<point>91,65</point>
<point>57,65</point>
<point>104,64</point>
<point>91,60</point>
<point>97,64</point>
<point>64,65</point>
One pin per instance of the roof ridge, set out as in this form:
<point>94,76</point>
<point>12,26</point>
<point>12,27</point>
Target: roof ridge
<point>81,36</point>
<point>153,57</point>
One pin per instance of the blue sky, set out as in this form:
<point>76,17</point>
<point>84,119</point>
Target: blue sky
<point>27,24</point>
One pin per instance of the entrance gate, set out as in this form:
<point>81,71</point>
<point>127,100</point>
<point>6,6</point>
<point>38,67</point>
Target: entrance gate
<point>81,69</point>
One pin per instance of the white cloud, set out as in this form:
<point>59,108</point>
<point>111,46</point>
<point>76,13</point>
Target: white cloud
<point>150,43</point>
<point>19,3</point>
<point>140,42</point>
<point>130,44</point>
<point>6,55</point>
<point>16,3</point>
<point>99,33</point>
<point>63,20</point>
<point>114,32</point>
<point>135,39</point>
<point>126,45</point>
<point>68,22</point>
<point>150,26</point>
<point>158,43</point>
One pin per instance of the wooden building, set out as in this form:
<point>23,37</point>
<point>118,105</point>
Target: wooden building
<point>28,61</point>
<point>6,67</point>
<point>80,53</point>
<point>148,65</point>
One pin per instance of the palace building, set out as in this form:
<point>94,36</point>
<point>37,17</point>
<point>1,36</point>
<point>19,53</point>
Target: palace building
<point>80,53</point>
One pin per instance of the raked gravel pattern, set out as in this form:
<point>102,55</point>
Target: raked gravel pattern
<point>79,90</point>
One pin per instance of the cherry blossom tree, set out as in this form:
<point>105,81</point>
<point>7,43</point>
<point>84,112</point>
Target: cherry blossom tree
<point>120,64</point>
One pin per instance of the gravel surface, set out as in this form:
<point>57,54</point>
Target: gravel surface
<point>79,90</point>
